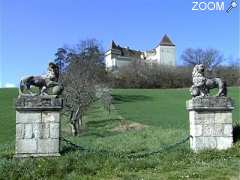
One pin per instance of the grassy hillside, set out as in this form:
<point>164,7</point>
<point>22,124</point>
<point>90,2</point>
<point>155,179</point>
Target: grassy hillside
<point>140,121</point>
<point>7,114</point>
<point>161,107</point>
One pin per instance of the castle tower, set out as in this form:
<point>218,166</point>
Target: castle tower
<point>110,55</point>
<point>166,51</point>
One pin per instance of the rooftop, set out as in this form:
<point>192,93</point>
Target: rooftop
<point>166,41</point>
<point>126,51</point>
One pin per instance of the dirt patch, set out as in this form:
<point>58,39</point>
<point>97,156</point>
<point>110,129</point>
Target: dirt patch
<point>127,126</point>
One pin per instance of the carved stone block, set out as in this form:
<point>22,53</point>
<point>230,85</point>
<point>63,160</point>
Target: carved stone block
<point>26,146</point>
<point>37,126</point>
<point>41,130</point>
<point>28,131</point>
<point>228,130</point>
<point>28,117</point>
<point>223,117</point>
<point>224,142</point>
<point>54,130</point>
<point>19,131</point>
<point>50,117</point>
<point>210,122</point>
<point>196,130</point>
<point>48,146</point>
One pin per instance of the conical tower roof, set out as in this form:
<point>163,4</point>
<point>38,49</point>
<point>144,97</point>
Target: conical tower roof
<point>166,41</point>
<point>113,45</point>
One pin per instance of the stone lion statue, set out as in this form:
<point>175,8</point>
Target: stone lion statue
<point>202,85</point>
<point>43,82</point>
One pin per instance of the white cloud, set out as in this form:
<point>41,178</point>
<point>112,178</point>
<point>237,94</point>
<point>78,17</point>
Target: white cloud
<point>9,85</point>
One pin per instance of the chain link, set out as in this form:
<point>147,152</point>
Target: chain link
<point>140,154</point>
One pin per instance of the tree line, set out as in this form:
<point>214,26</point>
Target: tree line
<point>142,74</point>
<point>139,74</point>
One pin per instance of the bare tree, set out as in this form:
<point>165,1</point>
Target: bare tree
<point>211,58</point>
<point>81,79</point>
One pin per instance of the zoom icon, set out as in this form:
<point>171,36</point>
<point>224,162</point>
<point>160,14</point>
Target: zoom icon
<point>232,6</point>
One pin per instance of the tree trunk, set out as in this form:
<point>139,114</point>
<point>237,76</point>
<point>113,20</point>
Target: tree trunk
<point>74,128</point>
<point>76,122</point>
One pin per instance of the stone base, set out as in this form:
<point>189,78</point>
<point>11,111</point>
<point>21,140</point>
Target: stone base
<point>203,143</point>
<point>36,155</point>
<point>210,123</point>
<point>37,126</point>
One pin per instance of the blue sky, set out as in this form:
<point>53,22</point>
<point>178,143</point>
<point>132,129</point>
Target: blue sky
<point>32,30</point>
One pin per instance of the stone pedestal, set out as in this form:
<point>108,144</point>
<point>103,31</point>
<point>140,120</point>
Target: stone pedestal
<point>37,126</point>
<point>210,122</point>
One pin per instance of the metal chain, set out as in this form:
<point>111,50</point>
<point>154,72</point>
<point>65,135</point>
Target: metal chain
<point>124,154</point>
<point>171,146</point>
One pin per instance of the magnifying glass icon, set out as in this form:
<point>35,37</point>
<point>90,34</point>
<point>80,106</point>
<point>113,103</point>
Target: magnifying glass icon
<point>232,5</point>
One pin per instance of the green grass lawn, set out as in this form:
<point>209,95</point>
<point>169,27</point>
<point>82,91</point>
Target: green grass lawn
<point>140,121</point>
<point>161,107</point>
<point>7,114</point>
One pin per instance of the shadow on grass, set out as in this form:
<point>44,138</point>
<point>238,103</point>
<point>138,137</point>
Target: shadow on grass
<point>68,149</point>
<point>101,134</point>
<point>236,132</point>
<point>117,99</point>
<point>101,123</point>
<point>104,124</point>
